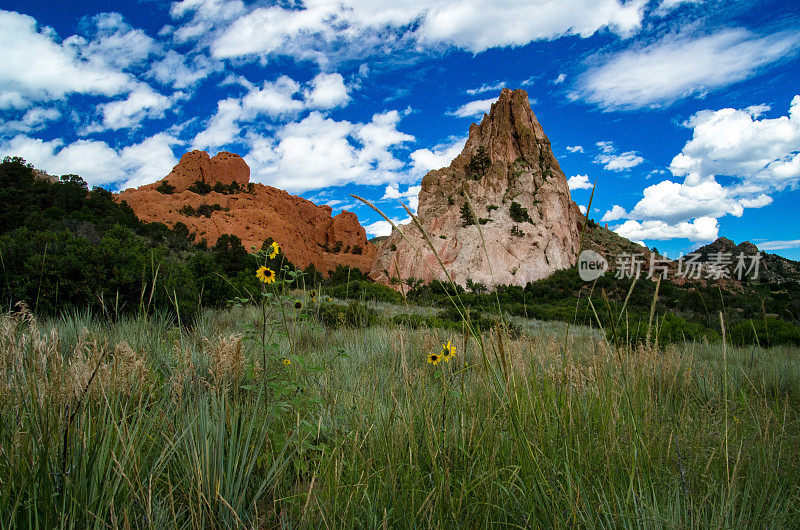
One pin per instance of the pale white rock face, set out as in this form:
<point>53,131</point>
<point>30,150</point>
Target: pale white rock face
<point>523,170</point>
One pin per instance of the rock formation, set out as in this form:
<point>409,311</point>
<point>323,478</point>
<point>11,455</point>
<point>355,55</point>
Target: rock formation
<point>520,200</point>
<point>307,233</point>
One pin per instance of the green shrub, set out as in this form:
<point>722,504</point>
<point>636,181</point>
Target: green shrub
<point>770,332</point>
<point>353,315</point>
<point>519,214</point>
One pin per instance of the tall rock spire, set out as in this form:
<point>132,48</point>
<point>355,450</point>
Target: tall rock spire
<point>520,199</point>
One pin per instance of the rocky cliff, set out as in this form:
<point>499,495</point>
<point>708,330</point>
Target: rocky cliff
<point>520,200</point>
<point>214,196</point>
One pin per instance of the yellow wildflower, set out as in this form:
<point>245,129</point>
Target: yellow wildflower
<point>275,249</point>
<point>448,351</point>
<point>286,361</point>
<point>265,275</point>
<point>434,358</point>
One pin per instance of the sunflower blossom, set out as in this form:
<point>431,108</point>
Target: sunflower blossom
<point>275,249</point>
<point>434,358</point>
<point>448,351</point>
<point>265,275</point>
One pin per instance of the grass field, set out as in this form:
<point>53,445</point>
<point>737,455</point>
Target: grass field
<point>251,418</point>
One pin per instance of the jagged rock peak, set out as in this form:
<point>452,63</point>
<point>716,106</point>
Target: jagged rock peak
<point>224,168</point>
<point>519,195</point>
<point>510,131</point>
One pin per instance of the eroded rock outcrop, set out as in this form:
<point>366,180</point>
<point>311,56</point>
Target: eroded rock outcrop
<point>520,200</point>
<point>306,232</point>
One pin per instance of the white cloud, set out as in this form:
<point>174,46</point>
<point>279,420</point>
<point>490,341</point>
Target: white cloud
<point>472,25</point>
<point>32,120</point>
<point>575,148</point>
<point>682,65</point>
<point>96,162</point>
<point>318,152</point>
<point>486,88</point>
<point>582,209</point>
<point>222,128</point>
<point>579,182</point>
<point>759,155</point>
<point>379,228</point>
<point>327,91</point>
<point>701,229</point>
<point>143,102</point>
<point>779,245</point>
<point>560,79</point>
<point>667,6</point>
<point>615,213</point>
<point>424,160</point>
<point>203,15</point>
<point>113,43</point>
<point>275,100</point>
<point>612,161</point>
<point>473,108</point>
<point>412,194</point>
<point>33,66</point>
<point>763,154</point>
<point>180,71</point>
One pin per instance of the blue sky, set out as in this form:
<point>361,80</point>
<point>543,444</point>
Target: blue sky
<point>685,112</point>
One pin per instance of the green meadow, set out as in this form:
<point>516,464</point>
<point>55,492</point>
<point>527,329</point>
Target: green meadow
<point>273,415</point>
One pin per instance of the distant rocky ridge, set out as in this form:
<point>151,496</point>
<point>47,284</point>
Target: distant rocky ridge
<point>520,200</point>
<point>307,233</point>
<point>772,268</point>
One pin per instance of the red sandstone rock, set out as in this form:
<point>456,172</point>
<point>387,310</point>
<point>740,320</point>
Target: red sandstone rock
<point>306,232</point>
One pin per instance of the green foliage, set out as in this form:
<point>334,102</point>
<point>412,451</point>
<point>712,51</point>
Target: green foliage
<point>519,214</point>
<point>353,315</point>
<point>200,187</point>
<point>769,331</point>
<point>516,232</point>
<point>166,188</point>
<point>227,189</point>
<point>479,163</point>
<point>467,215</point>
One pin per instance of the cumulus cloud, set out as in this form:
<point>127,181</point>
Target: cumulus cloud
<point>682,65</point>
<point>34,66</point>
<point>702,229</point>
<point>762,154</point>
<point>412,194</point>
<point>98,163</point>
<point>473,108</point>
<point>278,100</point>
<point>613,161</point>
<point>757,155</point>
<point>180,71</point>
<point>33,120</point>
<point>614,214</point>
<point>143,102</point>
<point>579,182</point>
<point>424,160</point>
<point>575,148</point>
<point>327,91</point>
<point>113,43</point>
<point>318,152</point>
